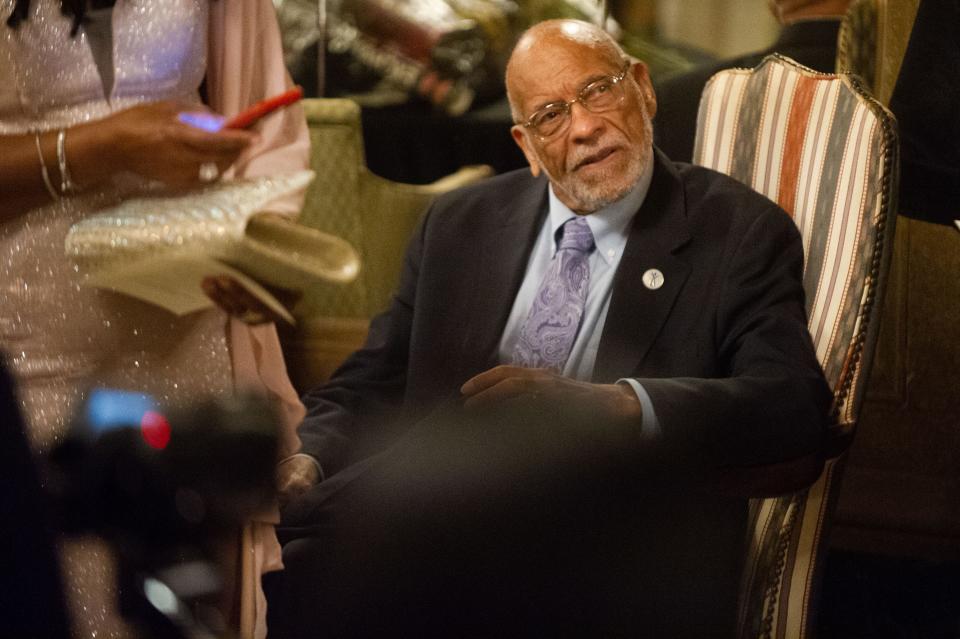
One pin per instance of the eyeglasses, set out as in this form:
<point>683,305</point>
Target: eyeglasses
<point>605,94</point>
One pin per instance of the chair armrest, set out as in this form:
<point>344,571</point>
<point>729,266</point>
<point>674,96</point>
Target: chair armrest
<point>465,175</point>
<point>770,480</point>
<point>782,478</point>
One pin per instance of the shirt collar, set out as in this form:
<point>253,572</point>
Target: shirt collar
<point>610,224</point>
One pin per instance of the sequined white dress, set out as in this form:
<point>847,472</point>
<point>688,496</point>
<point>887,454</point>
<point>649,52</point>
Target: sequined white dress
<point>61,338</point>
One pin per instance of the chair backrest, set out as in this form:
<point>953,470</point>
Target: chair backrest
<point>334,202</point>
<point>825,151</point>
<point>375,215</point>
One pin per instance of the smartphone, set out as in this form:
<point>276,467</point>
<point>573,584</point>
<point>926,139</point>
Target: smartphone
<point>251,116</point>
<point>213,122</point>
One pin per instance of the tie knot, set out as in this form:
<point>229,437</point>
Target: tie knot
<point>576,235</point>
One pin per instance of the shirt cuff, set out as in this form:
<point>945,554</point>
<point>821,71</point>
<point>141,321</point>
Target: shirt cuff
<point>316,462</point>
<point>649,424</point>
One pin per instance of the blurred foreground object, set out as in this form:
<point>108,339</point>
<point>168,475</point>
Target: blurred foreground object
<point>31,584</point>
<point>168,492</point>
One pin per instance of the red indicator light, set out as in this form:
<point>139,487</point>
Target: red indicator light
<point>155,430</point>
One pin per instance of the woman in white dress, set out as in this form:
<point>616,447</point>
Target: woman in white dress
<point>89,99</point>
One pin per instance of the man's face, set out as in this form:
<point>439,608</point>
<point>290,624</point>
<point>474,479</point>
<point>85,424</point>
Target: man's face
<point>597,158</point>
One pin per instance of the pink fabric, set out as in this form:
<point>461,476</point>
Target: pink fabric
<point>259,367</point>
<point>245,65</point>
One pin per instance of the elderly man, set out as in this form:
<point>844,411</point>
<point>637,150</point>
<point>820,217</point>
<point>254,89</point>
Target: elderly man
<point>523,446</point>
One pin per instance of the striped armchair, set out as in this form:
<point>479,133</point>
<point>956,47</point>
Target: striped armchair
<point>826,152</point>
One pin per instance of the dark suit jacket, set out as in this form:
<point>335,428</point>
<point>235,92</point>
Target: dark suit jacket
<point>925,102</point>
<point>722,347</point>
<point>811,43</point>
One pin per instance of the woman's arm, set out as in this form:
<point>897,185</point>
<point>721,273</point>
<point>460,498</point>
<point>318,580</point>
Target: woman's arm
<point>22,176</point>
<point>147,140</point>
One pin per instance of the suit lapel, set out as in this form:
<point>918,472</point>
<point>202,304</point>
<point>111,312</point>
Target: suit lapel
<point>503,260</point>
<point>637,312</point>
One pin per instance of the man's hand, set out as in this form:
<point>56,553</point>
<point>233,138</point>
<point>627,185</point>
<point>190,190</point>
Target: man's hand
<point>295,476</point>
<point>539,386</point>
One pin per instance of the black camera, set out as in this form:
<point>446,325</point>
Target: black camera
<point>169,490</point>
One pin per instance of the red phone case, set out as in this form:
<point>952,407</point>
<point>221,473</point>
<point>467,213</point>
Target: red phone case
<point>250,117</point>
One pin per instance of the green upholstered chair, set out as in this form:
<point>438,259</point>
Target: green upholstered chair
<point>826,151</point>
<point>374,215</point>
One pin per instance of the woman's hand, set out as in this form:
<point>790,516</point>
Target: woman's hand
<point>148,139</point>
<point>152,142</point>
<point>235,300</point>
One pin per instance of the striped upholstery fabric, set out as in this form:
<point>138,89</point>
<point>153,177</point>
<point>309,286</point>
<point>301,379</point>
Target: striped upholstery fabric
<point>826,152</point>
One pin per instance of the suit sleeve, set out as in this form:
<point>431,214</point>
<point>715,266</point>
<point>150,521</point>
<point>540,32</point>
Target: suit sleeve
<point>365,395</point>
<point>769,403</point>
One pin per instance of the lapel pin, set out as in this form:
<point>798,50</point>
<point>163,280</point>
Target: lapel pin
<point>653,279</point>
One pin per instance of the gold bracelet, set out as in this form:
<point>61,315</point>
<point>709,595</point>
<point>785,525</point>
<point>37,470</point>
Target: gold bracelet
<point>43,169</point>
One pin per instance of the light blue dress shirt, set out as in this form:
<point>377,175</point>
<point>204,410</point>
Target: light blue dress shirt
<point>610,227</point>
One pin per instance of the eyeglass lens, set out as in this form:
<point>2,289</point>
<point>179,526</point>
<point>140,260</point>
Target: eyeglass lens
<point>596,97</point>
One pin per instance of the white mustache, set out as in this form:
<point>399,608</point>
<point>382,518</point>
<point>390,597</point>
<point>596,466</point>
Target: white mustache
<point>590,155</point>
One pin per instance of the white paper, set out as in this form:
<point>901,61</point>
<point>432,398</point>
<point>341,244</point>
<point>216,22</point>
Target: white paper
<point>173,282</point>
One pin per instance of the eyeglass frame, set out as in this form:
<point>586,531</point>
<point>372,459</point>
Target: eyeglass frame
<point>568,104</point>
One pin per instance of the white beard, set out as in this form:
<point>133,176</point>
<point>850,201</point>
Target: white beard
<point>605,189</point>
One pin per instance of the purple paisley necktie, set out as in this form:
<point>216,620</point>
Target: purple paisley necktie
<point>548,333</point>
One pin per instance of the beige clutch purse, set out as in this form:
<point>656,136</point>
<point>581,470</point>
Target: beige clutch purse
<point>158,247</point>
